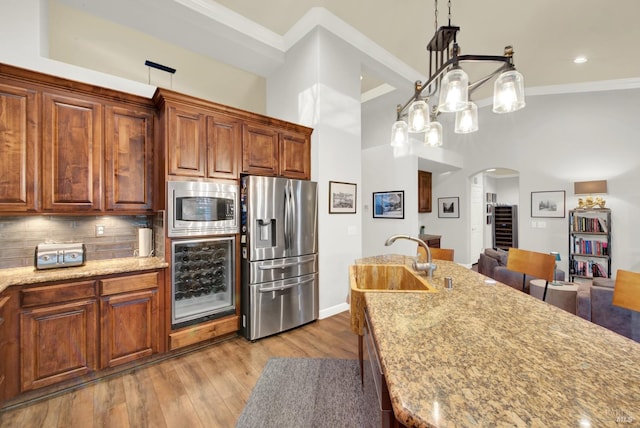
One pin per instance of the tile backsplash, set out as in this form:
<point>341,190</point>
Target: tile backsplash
<point>20,235</point>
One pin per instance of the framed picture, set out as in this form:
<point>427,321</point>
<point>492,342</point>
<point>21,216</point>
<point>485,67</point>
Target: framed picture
<point>388,204</point>
<point>449,207</point>
<point>548,204</point>
<point>342,198</point>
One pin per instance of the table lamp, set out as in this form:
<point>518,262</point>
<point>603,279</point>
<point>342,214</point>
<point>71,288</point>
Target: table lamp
<point>555,267</point>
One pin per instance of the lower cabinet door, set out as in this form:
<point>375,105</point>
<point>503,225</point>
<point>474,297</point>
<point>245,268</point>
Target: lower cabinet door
<point>129,324</point>
<point>59,342</point>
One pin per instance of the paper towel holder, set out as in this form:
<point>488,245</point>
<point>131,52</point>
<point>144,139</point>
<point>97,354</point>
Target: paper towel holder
<point>145,243</point>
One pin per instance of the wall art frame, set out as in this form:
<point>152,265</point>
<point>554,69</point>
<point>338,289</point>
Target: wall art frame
<point>388,204</point>
<point>342,197</point>
<point>449,207</point>
<point>548,204</point>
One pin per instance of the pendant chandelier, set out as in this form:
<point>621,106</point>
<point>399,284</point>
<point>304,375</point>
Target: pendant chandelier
<point>451,84</point>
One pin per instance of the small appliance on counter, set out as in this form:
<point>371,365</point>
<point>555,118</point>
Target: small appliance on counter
<point>49,256</point>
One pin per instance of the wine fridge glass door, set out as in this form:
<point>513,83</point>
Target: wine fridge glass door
<point>203,280</point>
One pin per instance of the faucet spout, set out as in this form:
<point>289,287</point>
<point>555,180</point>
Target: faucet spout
<point>429,266</point>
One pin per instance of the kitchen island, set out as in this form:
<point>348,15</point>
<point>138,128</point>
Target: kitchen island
<point>485,354</point>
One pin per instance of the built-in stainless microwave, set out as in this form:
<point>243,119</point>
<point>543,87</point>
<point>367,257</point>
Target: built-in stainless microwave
<point>199,208</point>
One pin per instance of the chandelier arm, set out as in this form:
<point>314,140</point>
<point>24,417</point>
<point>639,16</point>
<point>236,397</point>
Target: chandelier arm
<point>475,85</point>
<point>506,60</point>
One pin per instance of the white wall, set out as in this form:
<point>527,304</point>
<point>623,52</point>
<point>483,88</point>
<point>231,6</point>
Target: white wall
<point>55,39</point>
<point>555,141</point>
<point>319,86</point>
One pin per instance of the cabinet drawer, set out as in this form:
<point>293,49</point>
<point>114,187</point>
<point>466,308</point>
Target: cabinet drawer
<point>205,331</point>
<point>49,294</point>
<point>128,283</point>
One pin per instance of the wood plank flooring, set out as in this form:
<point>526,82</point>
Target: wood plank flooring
<point>204,388</point>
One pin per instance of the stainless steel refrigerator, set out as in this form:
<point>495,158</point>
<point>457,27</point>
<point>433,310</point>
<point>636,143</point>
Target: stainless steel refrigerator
<point>279,241</point>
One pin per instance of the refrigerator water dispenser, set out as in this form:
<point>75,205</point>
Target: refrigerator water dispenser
<point>266,233</point>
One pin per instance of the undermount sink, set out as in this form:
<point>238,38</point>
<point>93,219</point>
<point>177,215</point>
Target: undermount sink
<point>384,278</point>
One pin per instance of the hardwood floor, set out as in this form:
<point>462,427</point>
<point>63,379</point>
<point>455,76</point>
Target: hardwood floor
<point>204,388</point>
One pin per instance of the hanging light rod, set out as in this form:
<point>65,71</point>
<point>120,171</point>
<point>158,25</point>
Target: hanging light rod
<point>451,83</point>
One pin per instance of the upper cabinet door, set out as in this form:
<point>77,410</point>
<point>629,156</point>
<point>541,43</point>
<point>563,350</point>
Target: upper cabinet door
<point>187,150</point>
<point>18,138</point>
<point>424,192</point>
<point>259,150</point>
<point>295,155</point>
<point>72,154</point>
<point>128,159</point>
<point>224,137</point>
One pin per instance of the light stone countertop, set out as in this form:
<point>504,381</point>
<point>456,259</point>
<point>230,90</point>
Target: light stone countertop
<point>489,355</point>
<point>29,275</point>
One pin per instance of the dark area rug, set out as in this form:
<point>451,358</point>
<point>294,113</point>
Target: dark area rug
<point>306,392</point>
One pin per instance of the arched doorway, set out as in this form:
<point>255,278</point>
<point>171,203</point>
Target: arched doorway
<point>487,188</point>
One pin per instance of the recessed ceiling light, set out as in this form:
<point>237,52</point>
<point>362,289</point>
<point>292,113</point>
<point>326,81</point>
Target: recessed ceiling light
<point>580,60</point>
<point>491,169</point>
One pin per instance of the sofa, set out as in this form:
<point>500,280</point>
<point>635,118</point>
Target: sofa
<point>594,298</point>
<point>594,304</point>
<point>493,263</point>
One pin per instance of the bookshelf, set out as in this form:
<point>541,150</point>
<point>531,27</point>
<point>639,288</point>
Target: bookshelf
<point>589,243</point>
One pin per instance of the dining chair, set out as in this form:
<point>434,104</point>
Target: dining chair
<point>538,265</point>
<point>626,294</point>
<point>437,253</point>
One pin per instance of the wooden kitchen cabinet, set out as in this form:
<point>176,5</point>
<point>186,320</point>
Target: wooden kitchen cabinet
<point>69,147</point>
<point>260,146</point>
<point>129,318</point>
<point>186,134</point>
<point>224,146</point>
<point>269,151</point>
<point>424,192</point>
<point>4,336</point>
<point>19,148</point>
<point>71,153</point>
<point>128,158</point>
<point>199,141</point>
<point>374,385</point>
<point>58,333</point>
<point>295,155</point>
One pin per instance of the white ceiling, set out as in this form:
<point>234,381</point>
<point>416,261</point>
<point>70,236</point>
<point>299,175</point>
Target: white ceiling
<point>546,34</point>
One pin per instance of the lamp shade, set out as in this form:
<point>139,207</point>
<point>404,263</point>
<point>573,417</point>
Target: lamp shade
<point>399,133</point>
<point>418,116</point>
<point>590,187</point>
<point>467,119</point>
<point>454,91</point>
<point>556,255</point>
<point>433,135</point>
<point>508,92</point>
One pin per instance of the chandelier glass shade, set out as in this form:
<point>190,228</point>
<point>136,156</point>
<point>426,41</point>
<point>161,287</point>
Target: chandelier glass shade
<point>467,119</point>
<point>399,133</point>
<point>450,83</point>
<point>433,135</point>
<point>454,91</point>
<point>508,92</point>
<point>418,116</point>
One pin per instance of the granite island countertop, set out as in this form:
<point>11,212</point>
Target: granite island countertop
<point>29,275</point>
<point>489,355</point>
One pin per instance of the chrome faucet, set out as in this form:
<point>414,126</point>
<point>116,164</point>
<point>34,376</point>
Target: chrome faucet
<point>429,266</point>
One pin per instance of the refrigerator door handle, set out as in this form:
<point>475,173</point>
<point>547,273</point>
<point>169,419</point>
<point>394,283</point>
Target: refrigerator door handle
<point>282,266</point>
<point>285,287</point>
<point>287,220</point>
